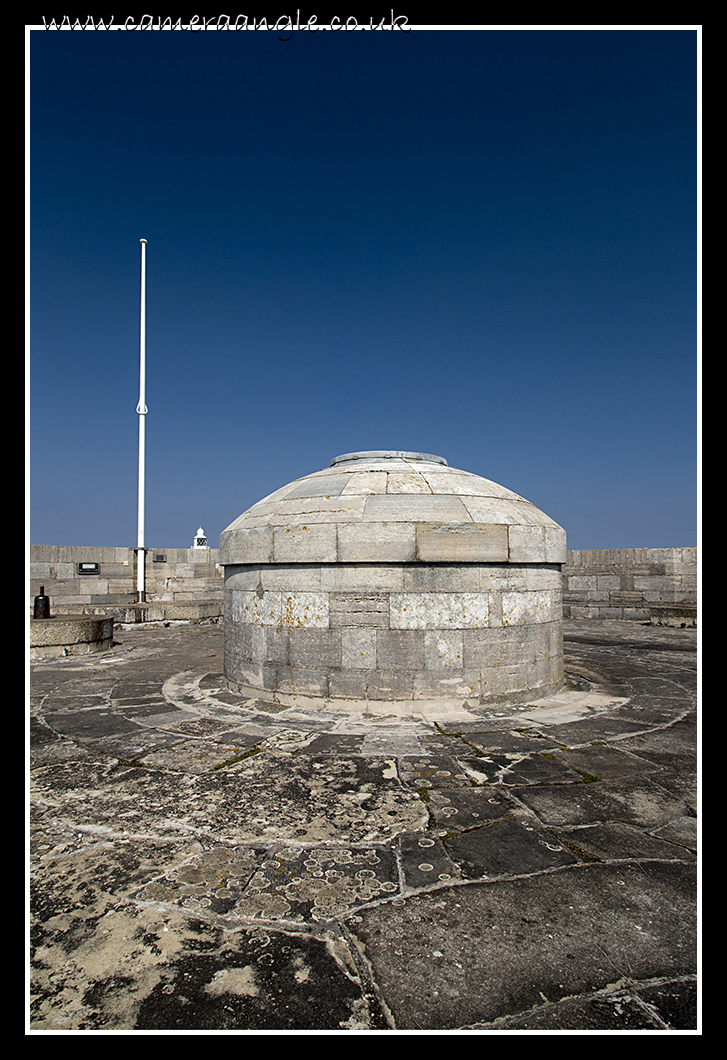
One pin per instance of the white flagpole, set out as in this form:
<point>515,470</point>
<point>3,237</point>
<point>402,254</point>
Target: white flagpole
<point>142,411</point>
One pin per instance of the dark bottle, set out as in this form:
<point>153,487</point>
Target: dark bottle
<point>41,605</point>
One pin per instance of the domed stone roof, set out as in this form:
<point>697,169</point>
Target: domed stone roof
<point>397,507</point>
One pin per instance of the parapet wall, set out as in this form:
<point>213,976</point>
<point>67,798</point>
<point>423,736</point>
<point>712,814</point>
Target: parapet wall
<point>173,575</point>
<point>622,583</point>
<point>628,583</point>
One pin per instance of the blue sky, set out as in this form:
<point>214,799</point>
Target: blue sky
<point>481,244</point>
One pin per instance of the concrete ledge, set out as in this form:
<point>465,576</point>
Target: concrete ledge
<point>681,615</point>
<point>70,635</point>
<point>150,611</point>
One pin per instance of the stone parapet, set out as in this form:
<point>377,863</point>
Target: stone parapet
<point>597,583</point>
<point>173,575</point>
<point>628,583</point>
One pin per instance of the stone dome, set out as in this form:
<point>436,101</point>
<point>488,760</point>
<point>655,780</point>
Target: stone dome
<point>385,506</point>
<point>392,576</point>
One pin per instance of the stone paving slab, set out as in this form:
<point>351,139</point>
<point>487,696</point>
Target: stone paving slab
<point>202,860</point>
<point>484,952</point>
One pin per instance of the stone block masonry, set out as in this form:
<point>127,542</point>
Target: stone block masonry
<point>173,576</point>
<point>333,640</point>
<point>374,578</point>
<point>629,583</point>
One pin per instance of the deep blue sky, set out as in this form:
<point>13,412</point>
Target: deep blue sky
<point>479,244</point>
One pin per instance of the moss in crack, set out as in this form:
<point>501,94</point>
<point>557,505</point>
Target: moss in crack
<point>237,758</point>
<point>588,778</point>
<point>579,852</point>
<point>460,736</point>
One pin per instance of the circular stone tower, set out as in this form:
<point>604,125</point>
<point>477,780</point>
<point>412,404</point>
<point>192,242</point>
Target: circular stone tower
<point>392,576</point>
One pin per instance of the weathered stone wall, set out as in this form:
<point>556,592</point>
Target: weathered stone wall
<point>628,582</point>
<point>597,583</point>
<point>187,575</point>
<point>395,631</point>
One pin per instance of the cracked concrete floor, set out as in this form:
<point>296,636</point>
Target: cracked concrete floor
<point>202,861</point>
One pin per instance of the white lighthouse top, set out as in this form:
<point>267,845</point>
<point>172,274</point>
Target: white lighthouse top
<point>200,541</point>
